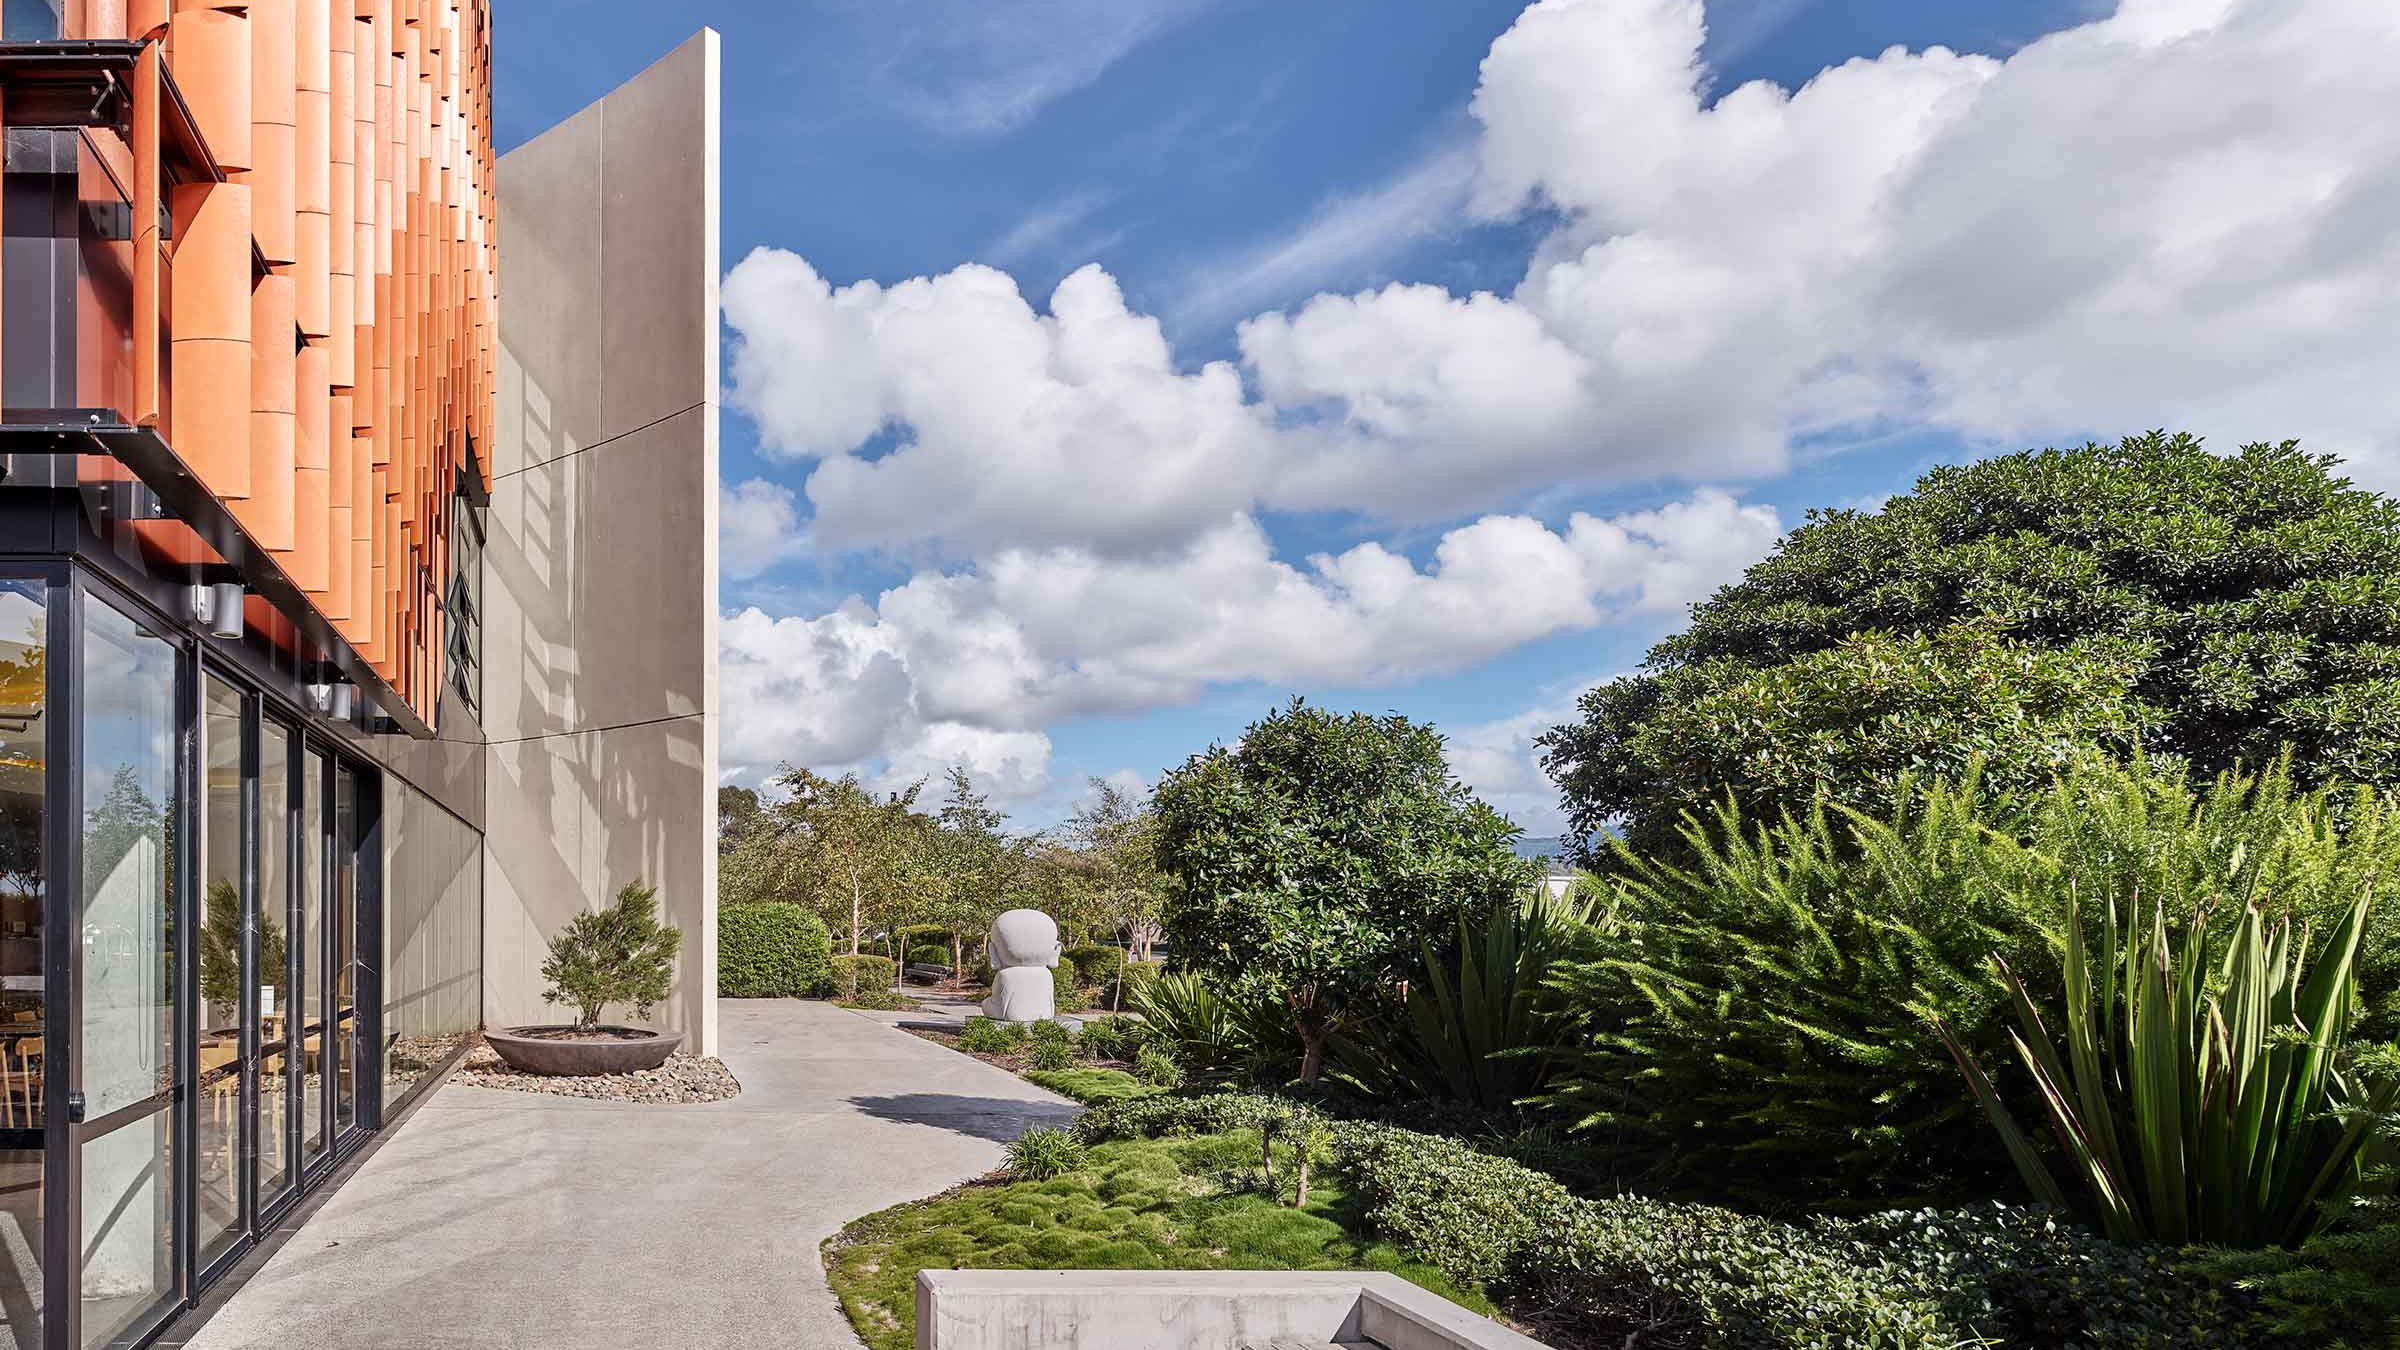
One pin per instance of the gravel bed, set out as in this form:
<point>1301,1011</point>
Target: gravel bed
<point>683,1078</point>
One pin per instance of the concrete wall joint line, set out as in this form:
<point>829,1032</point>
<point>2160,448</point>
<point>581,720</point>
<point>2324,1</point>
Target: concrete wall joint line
<point>597,445</point>
<point>593,731</point>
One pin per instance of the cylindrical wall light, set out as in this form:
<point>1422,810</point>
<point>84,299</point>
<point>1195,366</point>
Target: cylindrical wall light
<point>217,606</point>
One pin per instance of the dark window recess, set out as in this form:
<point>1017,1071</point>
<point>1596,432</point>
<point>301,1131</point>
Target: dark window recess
<point>462,600</point>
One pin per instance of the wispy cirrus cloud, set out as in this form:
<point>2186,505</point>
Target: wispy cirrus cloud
<point>972,68</point>
<point>1345,235</point>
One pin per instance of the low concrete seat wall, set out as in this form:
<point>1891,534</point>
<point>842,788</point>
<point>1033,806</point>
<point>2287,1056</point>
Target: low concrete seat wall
<point>1192,1310</point>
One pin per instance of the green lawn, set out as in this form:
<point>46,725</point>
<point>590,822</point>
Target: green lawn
<point>1090,1086</point>
<point>1143,1204</point>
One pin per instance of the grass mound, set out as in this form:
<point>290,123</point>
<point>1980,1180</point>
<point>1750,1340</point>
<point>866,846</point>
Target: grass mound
<point>1091,1086</point>
<point>1142,1204</point>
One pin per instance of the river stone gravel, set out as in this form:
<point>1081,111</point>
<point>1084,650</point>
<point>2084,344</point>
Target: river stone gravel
<point>683,1078</point>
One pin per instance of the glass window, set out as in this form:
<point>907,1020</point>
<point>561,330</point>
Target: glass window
<point>316,1046</point>
<point>217,1019</point>
<point>271,989</point>
<point>127,681</point>
<point>24,647</point>
<point>345,947</point>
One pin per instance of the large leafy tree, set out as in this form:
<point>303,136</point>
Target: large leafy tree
<point>1108,854</point>
<point>857,856</point>
<point>976,867</point>
<point>2208,608</point>
<point>1312,856</point>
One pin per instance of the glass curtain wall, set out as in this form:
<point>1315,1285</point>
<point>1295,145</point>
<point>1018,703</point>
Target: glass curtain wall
<point>127,728</point>
<point>345,949</point>
<point>432,937</point>
<point>271,989</point>
<point>217,1014</point>
<point>24,765</point>
<point>316,1046</point>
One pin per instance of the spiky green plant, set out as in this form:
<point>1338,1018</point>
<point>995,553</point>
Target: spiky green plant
<point>1478,1026</point>
<point>2197,1100</point>
<point>1761,1014</point>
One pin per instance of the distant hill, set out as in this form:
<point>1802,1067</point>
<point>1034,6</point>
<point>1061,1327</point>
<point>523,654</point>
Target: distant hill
<point>1550,846</point>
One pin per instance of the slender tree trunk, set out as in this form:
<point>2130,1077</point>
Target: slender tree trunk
<point>1311,1024</point>
<point>1300,1199</point>
<point>858,906</point>
<point>958,955</point>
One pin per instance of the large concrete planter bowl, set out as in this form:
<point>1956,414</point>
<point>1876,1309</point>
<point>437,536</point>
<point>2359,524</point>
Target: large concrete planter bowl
<point>626,1050</point>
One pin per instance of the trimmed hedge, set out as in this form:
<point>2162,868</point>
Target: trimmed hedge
<point>772,949</point>
<point>1094,965</point>
<point>1136,976</point>
<point>1071,996</point>
<point>929,954</point>
<point>1693,1274</point>
<point>873,974</point>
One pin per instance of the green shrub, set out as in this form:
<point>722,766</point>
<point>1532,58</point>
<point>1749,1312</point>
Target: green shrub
<point>1070,996</point>
<point>1042,1153</point>
<point>620,953</point>
<point>987,1037</point>
<point>1649,1272</point>
<point>1049,1031</point>
<point>929,955</point>
<point>1101,1039</point>
<point>856,975</point>
<point>1135,977</point>
<point>1156,1065</point>
<point>767,949</point>
<point>1478,1027</point>
<point>1763,1016</point>
<point>2341,1288</point>
<point>1095,966</point>
<point>1045,1053</point>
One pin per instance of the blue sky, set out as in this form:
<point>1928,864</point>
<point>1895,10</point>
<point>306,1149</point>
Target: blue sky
<point>1728,352</point>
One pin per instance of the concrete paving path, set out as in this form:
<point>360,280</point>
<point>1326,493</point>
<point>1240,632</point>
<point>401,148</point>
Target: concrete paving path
<point>509,1221</point>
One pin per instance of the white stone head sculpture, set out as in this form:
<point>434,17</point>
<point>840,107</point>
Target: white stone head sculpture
<point>1022,947</point>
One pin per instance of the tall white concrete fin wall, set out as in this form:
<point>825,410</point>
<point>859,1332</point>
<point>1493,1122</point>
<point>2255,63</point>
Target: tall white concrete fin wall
<point>600,580</point>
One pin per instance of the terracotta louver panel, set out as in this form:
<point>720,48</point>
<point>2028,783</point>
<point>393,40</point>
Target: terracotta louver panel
<point>330,399</point>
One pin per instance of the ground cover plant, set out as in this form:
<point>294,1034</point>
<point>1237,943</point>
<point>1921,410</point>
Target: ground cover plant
<point>1091,1086</point>
<point>1134,1204</point>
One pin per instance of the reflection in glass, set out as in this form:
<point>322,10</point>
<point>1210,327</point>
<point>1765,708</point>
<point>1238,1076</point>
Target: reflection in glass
<point>23,756</point>
<point>124,903</point>
<point>217,1020</point>
<point>432,937</point>
<point>315,1045</point>
<point>270,990</point>
<point>345,947</point>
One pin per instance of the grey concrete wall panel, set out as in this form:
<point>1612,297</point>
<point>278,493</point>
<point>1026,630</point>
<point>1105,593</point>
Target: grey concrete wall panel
<point>601,576</point>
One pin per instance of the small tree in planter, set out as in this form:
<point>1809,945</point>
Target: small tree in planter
<point>621,954</point>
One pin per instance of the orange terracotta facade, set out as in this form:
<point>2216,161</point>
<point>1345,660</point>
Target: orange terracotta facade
<point>316,341</point>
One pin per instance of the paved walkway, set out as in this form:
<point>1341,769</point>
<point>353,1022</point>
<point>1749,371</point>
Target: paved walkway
<point>509,1221</point>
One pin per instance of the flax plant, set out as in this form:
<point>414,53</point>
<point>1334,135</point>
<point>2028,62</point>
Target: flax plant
<point>2195,1100</point>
